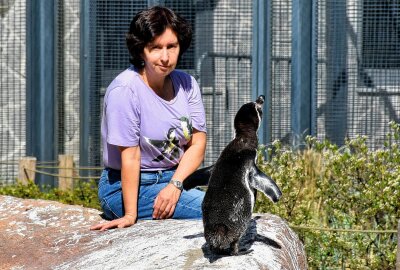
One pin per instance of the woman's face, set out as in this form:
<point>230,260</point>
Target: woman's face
<point>161,55</point>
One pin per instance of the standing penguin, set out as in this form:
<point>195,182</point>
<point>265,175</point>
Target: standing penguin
<point>229,200</point>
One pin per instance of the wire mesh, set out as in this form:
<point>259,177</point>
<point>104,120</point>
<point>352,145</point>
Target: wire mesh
<point>281,36</point>
<point>223,68</point>
<point>357,68</point>
<point>109,21</point>
<point>68,30</point>
<point>357,80</point>
<point>12,87</point>
<point>358,85</point>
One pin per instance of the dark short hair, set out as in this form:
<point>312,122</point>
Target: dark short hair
<point>150,23</point>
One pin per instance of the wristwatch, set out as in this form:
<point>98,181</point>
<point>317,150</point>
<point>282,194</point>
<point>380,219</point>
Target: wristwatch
<point>177,184</point>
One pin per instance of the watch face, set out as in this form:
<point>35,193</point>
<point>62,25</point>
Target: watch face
<point>177,184</point>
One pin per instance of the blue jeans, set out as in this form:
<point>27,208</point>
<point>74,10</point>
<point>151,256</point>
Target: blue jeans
<point>151,183</point>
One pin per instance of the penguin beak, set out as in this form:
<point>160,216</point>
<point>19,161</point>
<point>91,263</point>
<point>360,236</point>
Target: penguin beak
<point>260,100</point>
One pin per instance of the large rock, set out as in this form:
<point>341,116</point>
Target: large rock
<point>39,234</point>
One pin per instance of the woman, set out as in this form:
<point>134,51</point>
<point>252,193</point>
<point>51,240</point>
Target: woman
<point>153,127</point>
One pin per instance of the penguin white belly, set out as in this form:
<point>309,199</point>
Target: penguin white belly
<point>249,189</point>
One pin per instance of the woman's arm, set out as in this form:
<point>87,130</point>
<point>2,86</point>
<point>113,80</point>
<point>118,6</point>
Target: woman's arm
<point>130,171</point>
<point>164,205</point>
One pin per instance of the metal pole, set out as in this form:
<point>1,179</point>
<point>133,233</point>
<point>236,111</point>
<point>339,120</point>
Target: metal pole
<point>41,94</point>
<point>301,67</point>
<point>261,72</point>
<point>85,84</point>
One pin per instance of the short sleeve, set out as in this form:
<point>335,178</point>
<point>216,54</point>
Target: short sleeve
<point>122,112</point>
<point>197,113</point>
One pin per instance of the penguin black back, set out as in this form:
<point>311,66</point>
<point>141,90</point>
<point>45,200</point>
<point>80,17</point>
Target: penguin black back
<point>229,199</point>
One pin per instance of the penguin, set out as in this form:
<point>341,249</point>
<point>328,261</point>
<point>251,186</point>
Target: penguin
<point>232,182</point>
<point>186,128</point>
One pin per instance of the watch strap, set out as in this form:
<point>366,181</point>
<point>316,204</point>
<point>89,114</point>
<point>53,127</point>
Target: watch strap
<point>178,184</point>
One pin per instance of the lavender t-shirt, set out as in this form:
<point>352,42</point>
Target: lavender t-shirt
<point>135,115</point>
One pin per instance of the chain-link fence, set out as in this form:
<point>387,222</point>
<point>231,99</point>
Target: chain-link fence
<point>67,83</point>
<point>356,80</point>
<point>356,68</point>
<point>219,58</point>
<point>12,87</point>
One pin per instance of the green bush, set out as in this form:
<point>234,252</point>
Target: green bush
<point>350,187</point>
<point>84,193</point>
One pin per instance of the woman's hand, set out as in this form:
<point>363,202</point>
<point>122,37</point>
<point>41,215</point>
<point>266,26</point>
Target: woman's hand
<point>125,221</point>
<point>165,203</point>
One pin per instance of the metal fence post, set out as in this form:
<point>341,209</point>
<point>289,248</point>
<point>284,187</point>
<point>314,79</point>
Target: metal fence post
<point>41,93</point>
<point>86,82</point>
<point>301,100</point>
<point>261,59</point>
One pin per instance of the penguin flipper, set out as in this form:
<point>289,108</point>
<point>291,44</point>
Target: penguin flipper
<point>198,178</point>
<point>265,184</point>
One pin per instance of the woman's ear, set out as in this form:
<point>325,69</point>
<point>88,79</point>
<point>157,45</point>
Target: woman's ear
<point>142,56</point>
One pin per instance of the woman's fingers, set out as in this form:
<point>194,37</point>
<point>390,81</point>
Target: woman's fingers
<point>102,226</point>
<point>159,208</point>
<point>117,223</point>
<point>97,227</point>
<point>165,213</point>
<point>165,202</point>
<point>166,210</point>
<point>171,211</point>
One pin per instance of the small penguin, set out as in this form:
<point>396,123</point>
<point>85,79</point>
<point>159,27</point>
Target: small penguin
<point>232,180</point>
<point>186,128</point>
<point>168,147</point>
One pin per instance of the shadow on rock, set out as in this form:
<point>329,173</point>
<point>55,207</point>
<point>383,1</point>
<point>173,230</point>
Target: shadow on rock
<point>252,236</point>
<point>245,243</point>
<point>194,236</point>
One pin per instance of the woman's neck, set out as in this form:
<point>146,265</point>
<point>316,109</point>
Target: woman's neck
<point>162,86</point>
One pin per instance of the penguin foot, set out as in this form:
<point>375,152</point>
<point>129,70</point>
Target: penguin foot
<point>241,252</point>
<point>235,251</point>
<point>235,248</point>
